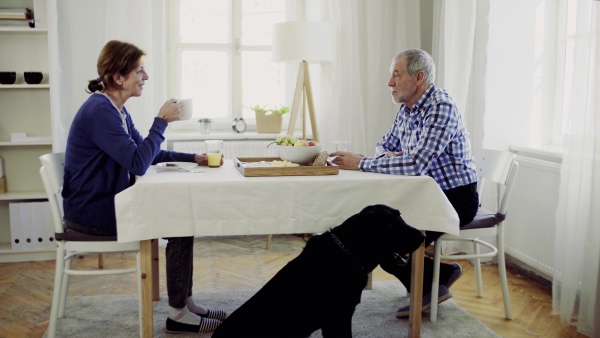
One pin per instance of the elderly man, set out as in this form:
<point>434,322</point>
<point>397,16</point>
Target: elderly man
<point>428,137</point>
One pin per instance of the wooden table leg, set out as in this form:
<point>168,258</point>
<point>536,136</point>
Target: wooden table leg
<point>147,280</point>
<point>416,292</point>
<point>155,278</point>
<point>101,261</point>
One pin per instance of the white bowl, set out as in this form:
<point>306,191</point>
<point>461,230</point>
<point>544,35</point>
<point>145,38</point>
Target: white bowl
<point>300,155</point>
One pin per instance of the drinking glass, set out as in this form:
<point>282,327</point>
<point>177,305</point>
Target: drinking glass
<point>342,145</point>
<point>214,152</point>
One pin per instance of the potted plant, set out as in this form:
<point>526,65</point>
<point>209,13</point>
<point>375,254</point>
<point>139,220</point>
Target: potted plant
<point>269,119</point>
<point>205,125</point>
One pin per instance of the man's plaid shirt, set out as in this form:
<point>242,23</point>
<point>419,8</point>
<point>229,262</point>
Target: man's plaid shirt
<point>433,141</point>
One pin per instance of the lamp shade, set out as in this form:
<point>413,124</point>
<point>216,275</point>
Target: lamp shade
<point>312,41</point>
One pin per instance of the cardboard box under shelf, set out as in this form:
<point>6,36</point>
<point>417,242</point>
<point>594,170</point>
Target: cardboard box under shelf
<point>302,170</point>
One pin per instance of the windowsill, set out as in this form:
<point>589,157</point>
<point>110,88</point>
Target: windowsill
<point>218,134</point>
<point>545,153</point>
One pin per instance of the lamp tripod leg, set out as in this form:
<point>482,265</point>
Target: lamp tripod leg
<point>298,92</point>
<point>303,92</point>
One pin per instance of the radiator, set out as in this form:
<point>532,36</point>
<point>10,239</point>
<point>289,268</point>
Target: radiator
<point>231,149</point>
<point>531,219</point>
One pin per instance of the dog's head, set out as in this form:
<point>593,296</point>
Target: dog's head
<point>376,233</point>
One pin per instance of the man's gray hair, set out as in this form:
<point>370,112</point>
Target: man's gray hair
<point>415,60</point>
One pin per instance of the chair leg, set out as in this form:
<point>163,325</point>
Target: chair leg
<point>269,237</point>
<point>369,281</point>
<point>57,297</point>
<point>436,281</point>
<point>65,285</point>
<point>477,265</point>
<point>502,272</point>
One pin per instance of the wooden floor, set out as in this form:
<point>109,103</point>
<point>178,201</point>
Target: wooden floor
<point>243,263</point>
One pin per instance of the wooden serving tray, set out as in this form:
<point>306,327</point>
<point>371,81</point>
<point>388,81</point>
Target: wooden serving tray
<point>241,163</point>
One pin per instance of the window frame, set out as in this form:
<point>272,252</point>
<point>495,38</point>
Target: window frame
<point>233,48</point>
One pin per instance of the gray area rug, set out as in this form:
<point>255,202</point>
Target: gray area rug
<point>117,316</point>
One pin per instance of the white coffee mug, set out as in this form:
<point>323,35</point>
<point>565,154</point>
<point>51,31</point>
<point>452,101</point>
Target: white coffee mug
<point>187,108</point>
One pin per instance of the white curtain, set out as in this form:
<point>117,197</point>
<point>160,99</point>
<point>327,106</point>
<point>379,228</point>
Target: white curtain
<point>78,30</point>
<point>355,100</point>
<point>460,31</point>
<point>576,287</point>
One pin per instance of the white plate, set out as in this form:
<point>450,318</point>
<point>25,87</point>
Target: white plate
<point>174,166</point>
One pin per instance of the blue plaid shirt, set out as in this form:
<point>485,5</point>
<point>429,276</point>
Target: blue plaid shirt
<point>433,141</point>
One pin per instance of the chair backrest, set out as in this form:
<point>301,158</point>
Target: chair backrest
<point>499,167</point>
<point>52,173</point>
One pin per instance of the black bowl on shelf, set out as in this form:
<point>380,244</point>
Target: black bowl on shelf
<point>8,77</point>
<point>33,77</point>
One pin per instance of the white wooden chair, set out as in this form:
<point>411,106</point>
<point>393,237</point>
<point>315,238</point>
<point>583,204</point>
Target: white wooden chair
<point>500,168</point>
<point>72,244</point>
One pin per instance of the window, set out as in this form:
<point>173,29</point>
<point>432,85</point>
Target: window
<point>530,64</point>
<point>220,53</point>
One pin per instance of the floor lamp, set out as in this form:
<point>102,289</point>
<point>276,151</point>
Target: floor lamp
<point>304,42</point>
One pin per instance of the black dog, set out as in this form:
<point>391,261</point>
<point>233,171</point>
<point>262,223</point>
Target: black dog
<point>321,287</point>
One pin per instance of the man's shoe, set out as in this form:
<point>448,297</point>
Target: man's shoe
<point>206,325</point>
<point>214,314</point>
<point>458,271</point>
<point>443,294</point>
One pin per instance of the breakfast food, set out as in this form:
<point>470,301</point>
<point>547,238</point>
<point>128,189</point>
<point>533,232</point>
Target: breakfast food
<point>289,140</point>
<point>305,143</point>
<point>277,163</point>
<point>320,159</point>
<point>286,140</point>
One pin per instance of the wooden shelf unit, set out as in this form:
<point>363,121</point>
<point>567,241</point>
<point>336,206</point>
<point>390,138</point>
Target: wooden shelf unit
<point>26,109</point>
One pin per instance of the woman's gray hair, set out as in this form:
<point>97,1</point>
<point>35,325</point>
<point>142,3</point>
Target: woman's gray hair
<point>415,60</point>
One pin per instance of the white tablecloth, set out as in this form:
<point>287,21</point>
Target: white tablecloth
<point>221,201</point>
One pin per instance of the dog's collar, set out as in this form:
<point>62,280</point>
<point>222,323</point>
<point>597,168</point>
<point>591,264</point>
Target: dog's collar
<point>341,245</point>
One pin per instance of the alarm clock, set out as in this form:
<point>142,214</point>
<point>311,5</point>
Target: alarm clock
<point>239,125</point>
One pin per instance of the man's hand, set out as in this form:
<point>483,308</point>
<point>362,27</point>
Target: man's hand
<point>346,160</point>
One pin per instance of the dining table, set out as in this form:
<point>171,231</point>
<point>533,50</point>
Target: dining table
<point>224,202</point>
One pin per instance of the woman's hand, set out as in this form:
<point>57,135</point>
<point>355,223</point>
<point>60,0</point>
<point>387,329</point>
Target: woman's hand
<point>203,160</point>
<point>170,111</point>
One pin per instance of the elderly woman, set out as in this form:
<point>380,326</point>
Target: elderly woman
<point>105,152</point>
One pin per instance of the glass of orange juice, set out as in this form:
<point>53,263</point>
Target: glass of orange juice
<point>214,152</point>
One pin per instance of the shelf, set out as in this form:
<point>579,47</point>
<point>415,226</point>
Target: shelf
<point>25,86</point>
<point>8,255</point>
<point>20,29</point>
<point>23,195</point>
<point>21,144</point>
